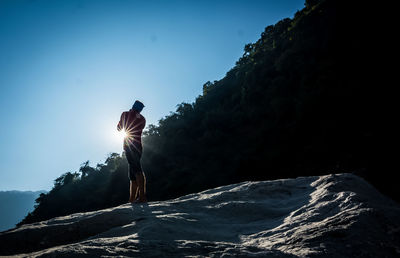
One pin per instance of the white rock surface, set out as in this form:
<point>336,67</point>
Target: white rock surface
<point>329,216</point>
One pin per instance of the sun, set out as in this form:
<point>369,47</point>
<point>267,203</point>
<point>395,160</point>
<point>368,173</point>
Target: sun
<point>119,136</point>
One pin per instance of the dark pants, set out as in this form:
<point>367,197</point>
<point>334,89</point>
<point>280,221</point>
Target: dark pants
<point>134,167</point>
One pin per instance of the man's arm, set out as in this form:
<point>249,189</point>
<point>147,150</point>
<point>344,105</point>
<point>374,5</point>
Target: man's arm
<point>144,123</point>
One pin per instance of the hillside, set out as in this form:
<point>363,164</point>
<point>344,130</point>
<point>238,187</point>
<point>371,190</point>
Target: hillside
<point>302,100</point>
<point>329,216</point>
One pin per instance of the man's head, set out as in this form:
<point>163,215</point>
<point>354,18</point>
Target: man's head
<point>138,106</point>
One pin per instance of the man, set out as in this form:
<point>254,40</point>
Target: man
<point>133,123</point>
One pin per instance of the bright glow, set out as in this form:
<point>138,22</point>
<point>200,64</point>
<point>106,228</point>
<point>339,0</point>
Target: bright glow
<point>119,136</point>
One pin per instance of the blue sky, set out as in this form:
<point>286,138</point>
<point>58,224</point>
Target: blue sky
<point>69,68</point>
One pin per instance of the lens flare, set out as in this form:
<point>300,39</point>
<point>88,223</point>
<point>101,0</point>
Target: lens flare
<point>123,134</point>
<point>119,136</point>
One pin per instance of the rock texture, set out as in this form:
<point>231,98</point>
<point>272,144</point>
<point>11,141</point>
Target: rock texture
<point>330,216</point>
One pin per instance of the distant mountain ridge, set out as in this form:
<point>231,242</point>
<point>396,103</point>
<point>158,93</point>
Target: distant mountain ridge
<point>21,191</point>
<point>14,205</point>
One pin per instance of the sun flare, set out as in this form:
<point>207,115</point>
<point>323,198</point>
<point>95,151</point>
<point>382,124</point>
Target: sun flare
<point>120,135</point>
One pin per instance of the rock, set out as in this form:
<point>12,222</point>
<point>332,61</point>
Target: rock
<point>330,216</point>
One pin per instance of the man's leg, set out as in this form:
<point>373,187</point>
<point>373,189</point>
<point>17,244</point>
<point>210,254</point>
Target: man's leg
<point>144,178</point>
<point>133,191</point>
<point>141,180</point>
<point>133,187</point>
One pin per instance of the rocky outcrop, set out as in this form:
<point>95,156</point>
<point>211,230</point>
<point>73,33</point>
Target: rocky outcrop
<point>330,216</point>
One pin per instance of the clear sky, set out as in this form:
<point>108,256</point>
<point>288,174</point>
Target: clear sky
<point>69,68</point>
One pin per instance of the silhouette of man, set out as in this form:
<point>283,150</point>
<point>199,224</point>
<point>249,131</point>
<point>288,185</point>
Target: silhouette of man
<point>133,123</point>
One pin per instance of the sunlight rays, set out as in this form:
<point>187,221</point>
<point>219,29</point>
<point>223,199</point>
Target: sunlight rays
<point>119,136</point>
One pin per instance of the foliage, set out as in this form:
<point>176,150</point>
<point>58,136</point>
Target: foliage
<point>105,186</point>
<point>298,102</point>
